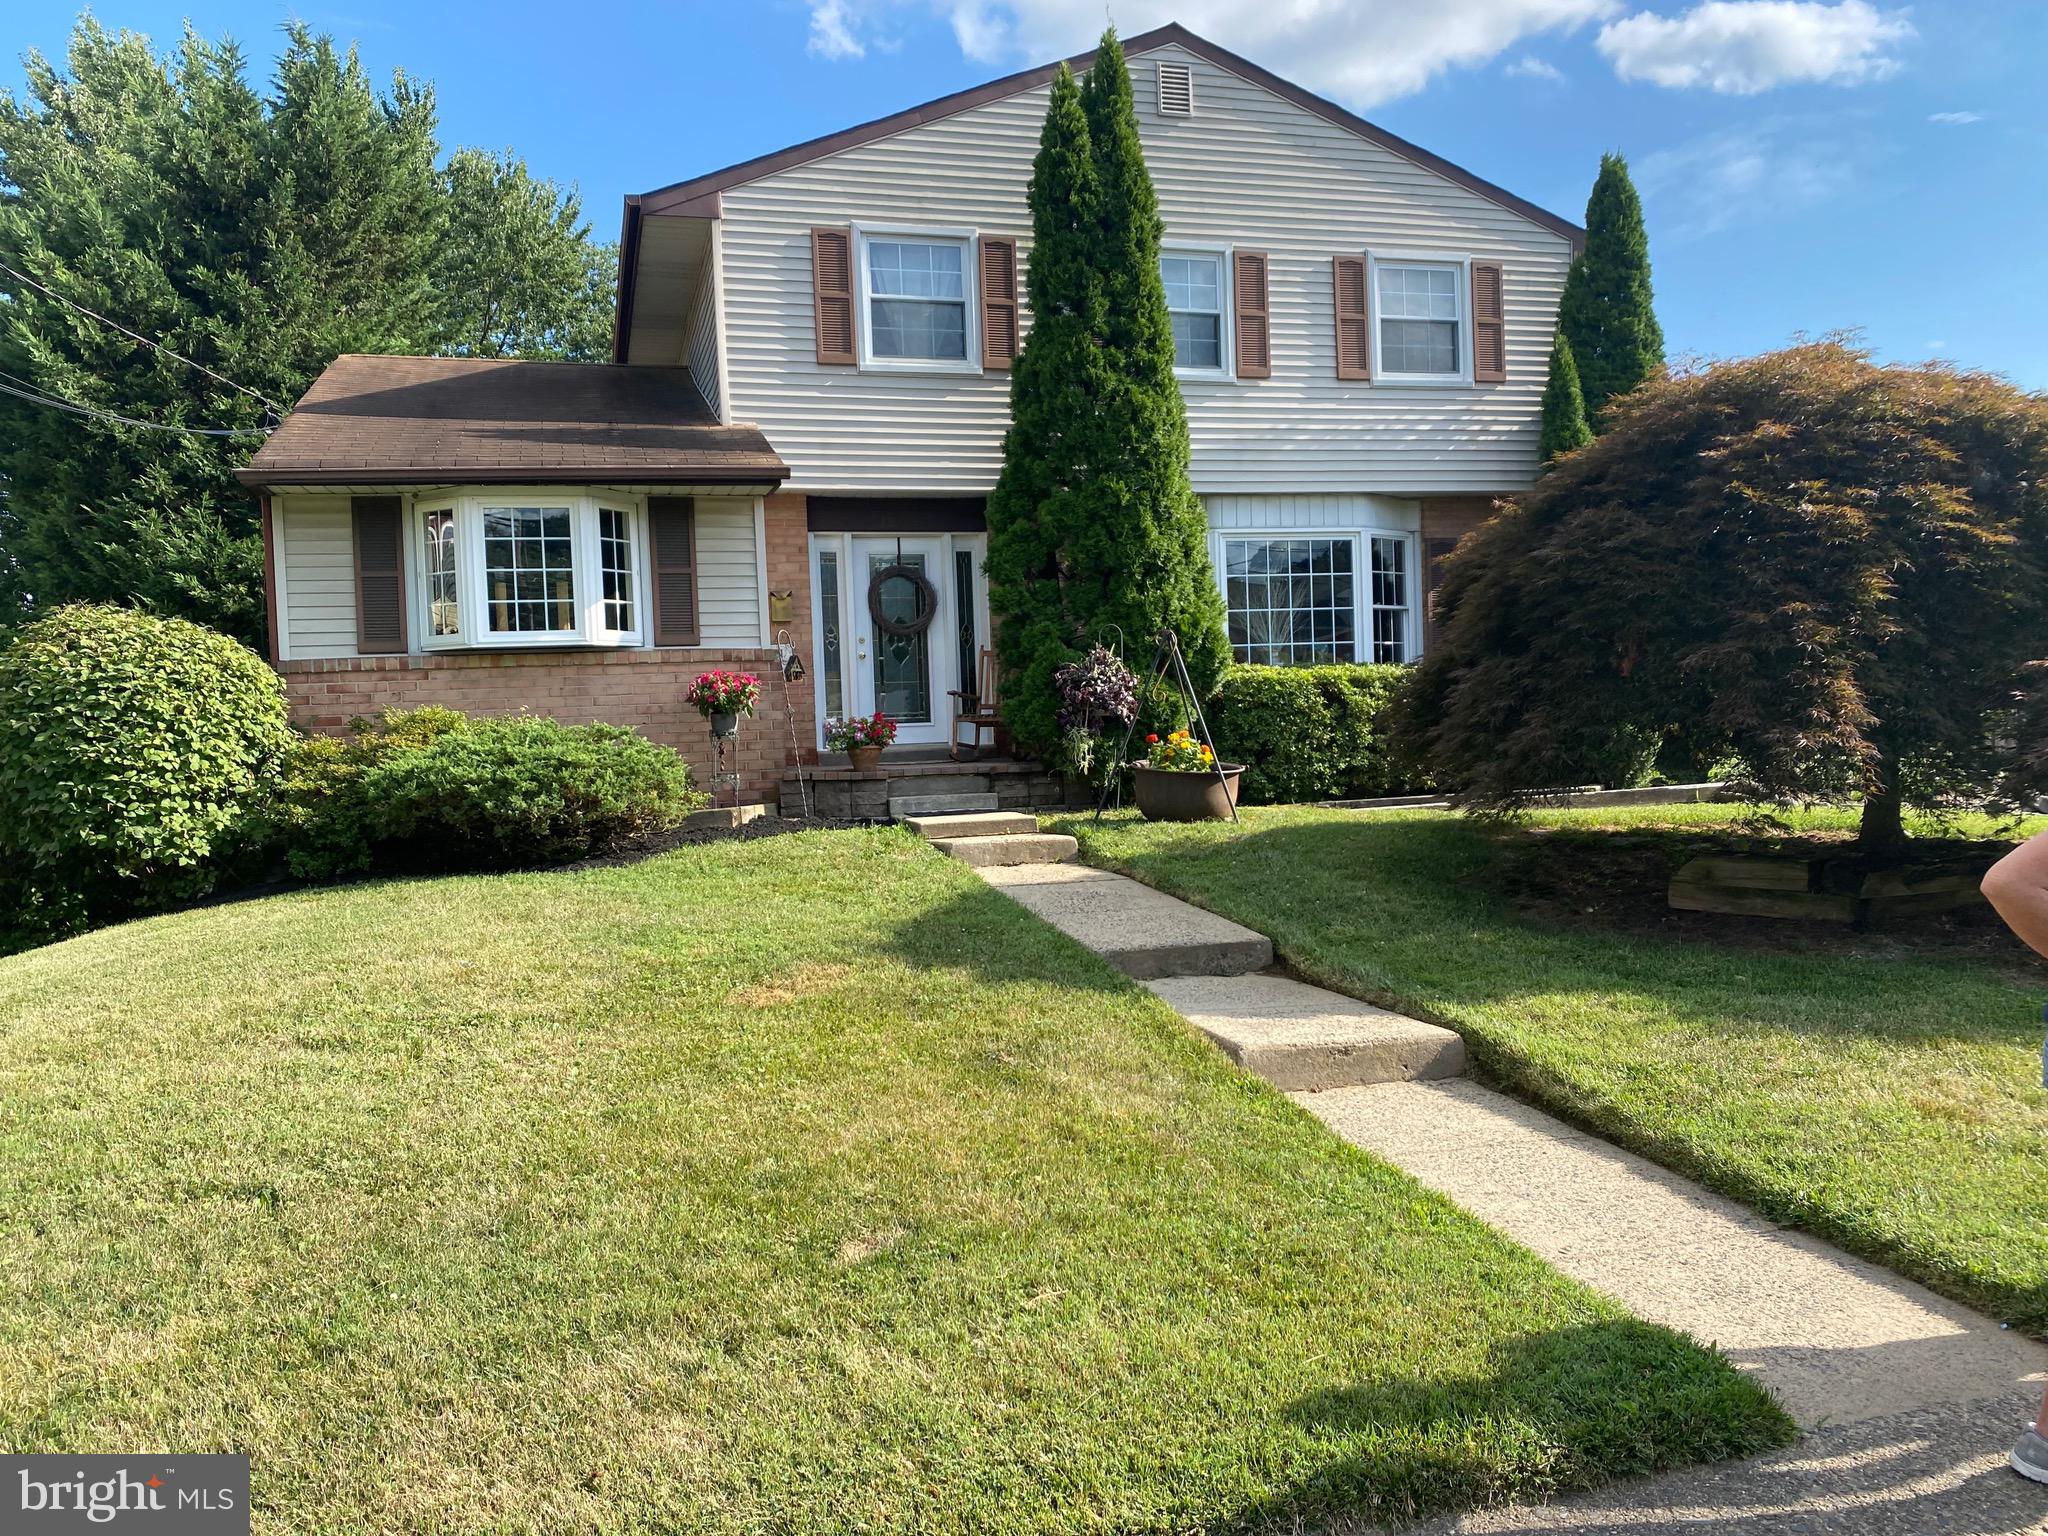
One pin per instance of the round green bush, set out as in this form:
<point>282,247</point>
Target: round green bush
<point>1310,733</point>
<point>132,751</point>
<point>433,790</point>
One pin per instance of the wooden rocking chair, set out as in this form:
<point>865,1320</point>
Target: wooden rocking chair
<point>979,710</point>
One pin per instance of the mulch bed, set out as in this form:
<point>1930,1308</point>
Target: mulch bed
<point>746,832</point>
<point>1616,882</point>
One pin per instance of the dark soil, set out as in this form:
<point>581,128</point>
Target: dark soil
<point>1617,882</point>
<point>746,832</point>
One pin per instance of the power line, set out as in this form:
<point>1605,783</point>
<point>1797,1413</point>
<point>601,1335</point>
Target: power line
<point>133,336</point>
<point>36,397</point>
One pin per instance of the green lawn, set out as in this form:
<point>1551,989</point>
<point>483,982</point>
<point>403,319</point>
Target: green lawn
<point>799,1185</point>
<point>1886,1098</point>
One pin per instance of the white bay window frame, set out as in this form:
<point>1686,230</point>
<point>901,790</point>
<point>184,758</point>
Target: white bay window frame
<point>968,243</point>
<point>1226,305</point>
<point>1363,604</point>
<point>1461,267</point>
<point>470,505</point>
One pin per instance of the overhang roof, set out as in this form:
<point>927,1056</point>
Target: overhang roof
<point>699,196</point>
<point>416,420</point>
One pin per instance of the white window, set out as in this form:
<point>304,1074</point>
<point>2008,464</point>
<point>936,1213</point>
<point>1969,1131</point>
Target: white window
<point>1420,313</point>
<point>526,568</point>
<point>916,297</point>
<point>1390,587</point>
<point>443,578</point>
<point>1195,303</point>
<point>1292,601</point>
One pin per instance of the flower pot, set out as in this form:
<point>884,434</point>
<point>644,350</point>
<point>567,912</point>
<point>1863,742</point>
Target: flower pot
<point>725,725</point>
<point>865,759</point>
<point>1166,794</point>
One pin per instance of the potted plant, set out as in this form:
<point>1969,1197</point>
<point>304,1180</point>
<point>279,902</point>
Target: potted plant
<point>1180,780</point>
<point>1098,694</point>
<point>722,697</point>
<point>861,738</point>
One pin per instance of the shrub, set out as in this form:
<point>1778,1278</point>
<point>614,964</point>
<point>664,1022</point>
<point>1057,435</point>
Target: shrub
<point>1309,733</point>
<point>132,751</point>
<point>432,790</point>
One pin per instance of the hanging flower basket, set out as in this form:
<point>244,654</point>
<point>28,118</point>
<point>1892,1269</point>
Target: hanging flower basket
<point>722,697</point>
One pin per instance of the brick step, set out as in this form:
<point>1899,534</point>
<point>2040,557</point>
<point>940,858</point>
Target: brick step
<point>1016,848</point>
<point>902,807</point>
<point>979,824</point>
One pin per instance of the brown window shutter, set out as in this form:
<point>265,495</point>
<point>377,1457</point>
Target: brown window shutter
<point>380,574</point>
<point>1354,318</point>
<point>1254,316</point>
<point>672,531</point>
<point>998,301</point>
<point>1489,325</point>
<point>832,299</point>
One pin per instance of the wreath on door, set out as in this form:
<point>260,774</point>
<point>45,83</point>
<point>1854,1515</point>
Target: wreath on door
<point>927,608</point>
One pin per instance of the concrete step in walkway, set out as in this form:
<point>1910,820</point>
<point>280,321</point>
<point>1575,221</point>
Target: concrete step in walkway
<point>903,807</point>
<point>1142,932</point>
<point>1302,1038</point>
<point>972,824</point>
<point>1016,850</point>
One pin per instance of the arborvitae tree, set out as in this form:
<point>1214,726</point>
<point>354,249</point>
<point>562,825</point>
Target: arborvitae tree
<point>259,234</point>
<point>1054,384</point>
<point>1608,313</point>
<point>1093,522</point>
<point>1145,539</point>
<point>1564,408</point>
<point>1835,572</point>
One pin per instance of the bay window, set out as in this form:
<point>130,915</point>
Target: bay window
<point>523,568</point>
<point>1296,600</point>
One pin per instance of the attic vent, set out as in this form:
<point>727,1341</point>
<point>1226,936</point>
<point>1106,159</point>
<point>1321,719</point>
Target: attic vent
<point>1176,90</point>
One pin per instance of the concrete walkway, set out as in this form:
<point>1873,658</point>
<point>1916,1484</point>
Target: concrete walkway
<point>1910,1401</point>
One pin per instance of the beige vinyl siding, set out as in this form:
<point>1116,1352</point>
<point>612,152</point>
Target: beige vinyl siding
<point>316,576</point>
<point>728,572</point>
<point>1247,169</point>
<point>700,345</point>
<point>1309,513</point>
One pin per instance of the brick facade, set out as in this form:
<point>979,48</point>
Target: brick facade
<point>641,689</point>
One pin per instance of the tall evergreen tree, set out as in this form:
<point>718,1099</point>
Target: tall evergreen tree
<point>1608,313</point>
<point>1034,511</point>
<point>1146,539</point>
<point>1564,407</point>
<point>258,234</point>
<point>1094,522</point>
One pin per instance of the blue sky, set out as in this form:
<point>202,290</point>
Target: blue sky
<point>1807,165</point>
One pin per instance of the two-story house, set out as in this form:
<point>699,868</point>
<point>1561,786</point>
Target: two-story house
<point>810,386</point>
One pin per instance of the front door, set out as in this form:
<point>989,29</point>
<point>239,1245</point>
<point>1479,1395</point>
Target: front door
<point>901,619</point>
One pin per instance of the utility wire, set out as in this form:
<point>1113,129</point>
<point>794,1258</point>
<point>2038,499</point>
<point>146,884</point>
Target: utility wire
<point>36,397</point>
<point>133,336</point>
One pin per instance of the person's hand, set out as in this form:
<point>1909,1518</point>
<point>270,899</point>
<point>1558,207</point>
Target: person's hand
<point>2017,886</point>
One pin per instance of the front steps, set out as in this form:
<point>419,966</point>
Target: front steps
<point>992,839</point>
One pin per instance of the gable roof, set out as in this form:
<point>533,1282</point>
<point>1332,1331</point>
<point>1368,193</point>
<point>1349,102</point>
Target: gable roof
<point>406,420</point>
<point>699,196</point>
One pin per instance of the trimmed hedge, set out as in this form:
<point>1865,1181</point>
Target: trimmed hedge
<point>1310,733</point>
<point>133,750</point>
<point>433,790</point>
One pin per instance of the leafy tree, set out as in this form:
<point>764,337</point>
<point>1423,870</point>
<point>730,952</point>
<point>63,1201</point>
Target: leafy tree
<point>1093,522</point>
<point>1835,571</point>
<point>1564,408</point>
<point>257,234</point>
<point>1608,314</point>
<point>525,281</point>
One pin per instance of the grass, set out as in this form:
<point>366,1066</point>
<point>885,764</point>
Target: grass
<point>801,1184</point>
<point>1882,1096</point>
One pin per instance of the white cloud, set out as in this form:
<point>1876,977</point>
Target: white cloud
<point>1740,47</point>
<point>1743,175</point>
<point>1529,67</point>
<point>832,31</point>
<point>1955,119</point>
<point>1363,52</point>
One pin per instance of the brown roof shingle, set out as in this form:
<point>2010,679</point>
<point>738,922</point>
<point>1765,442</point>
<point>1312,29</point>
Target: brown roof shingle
<point>394,420</point>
